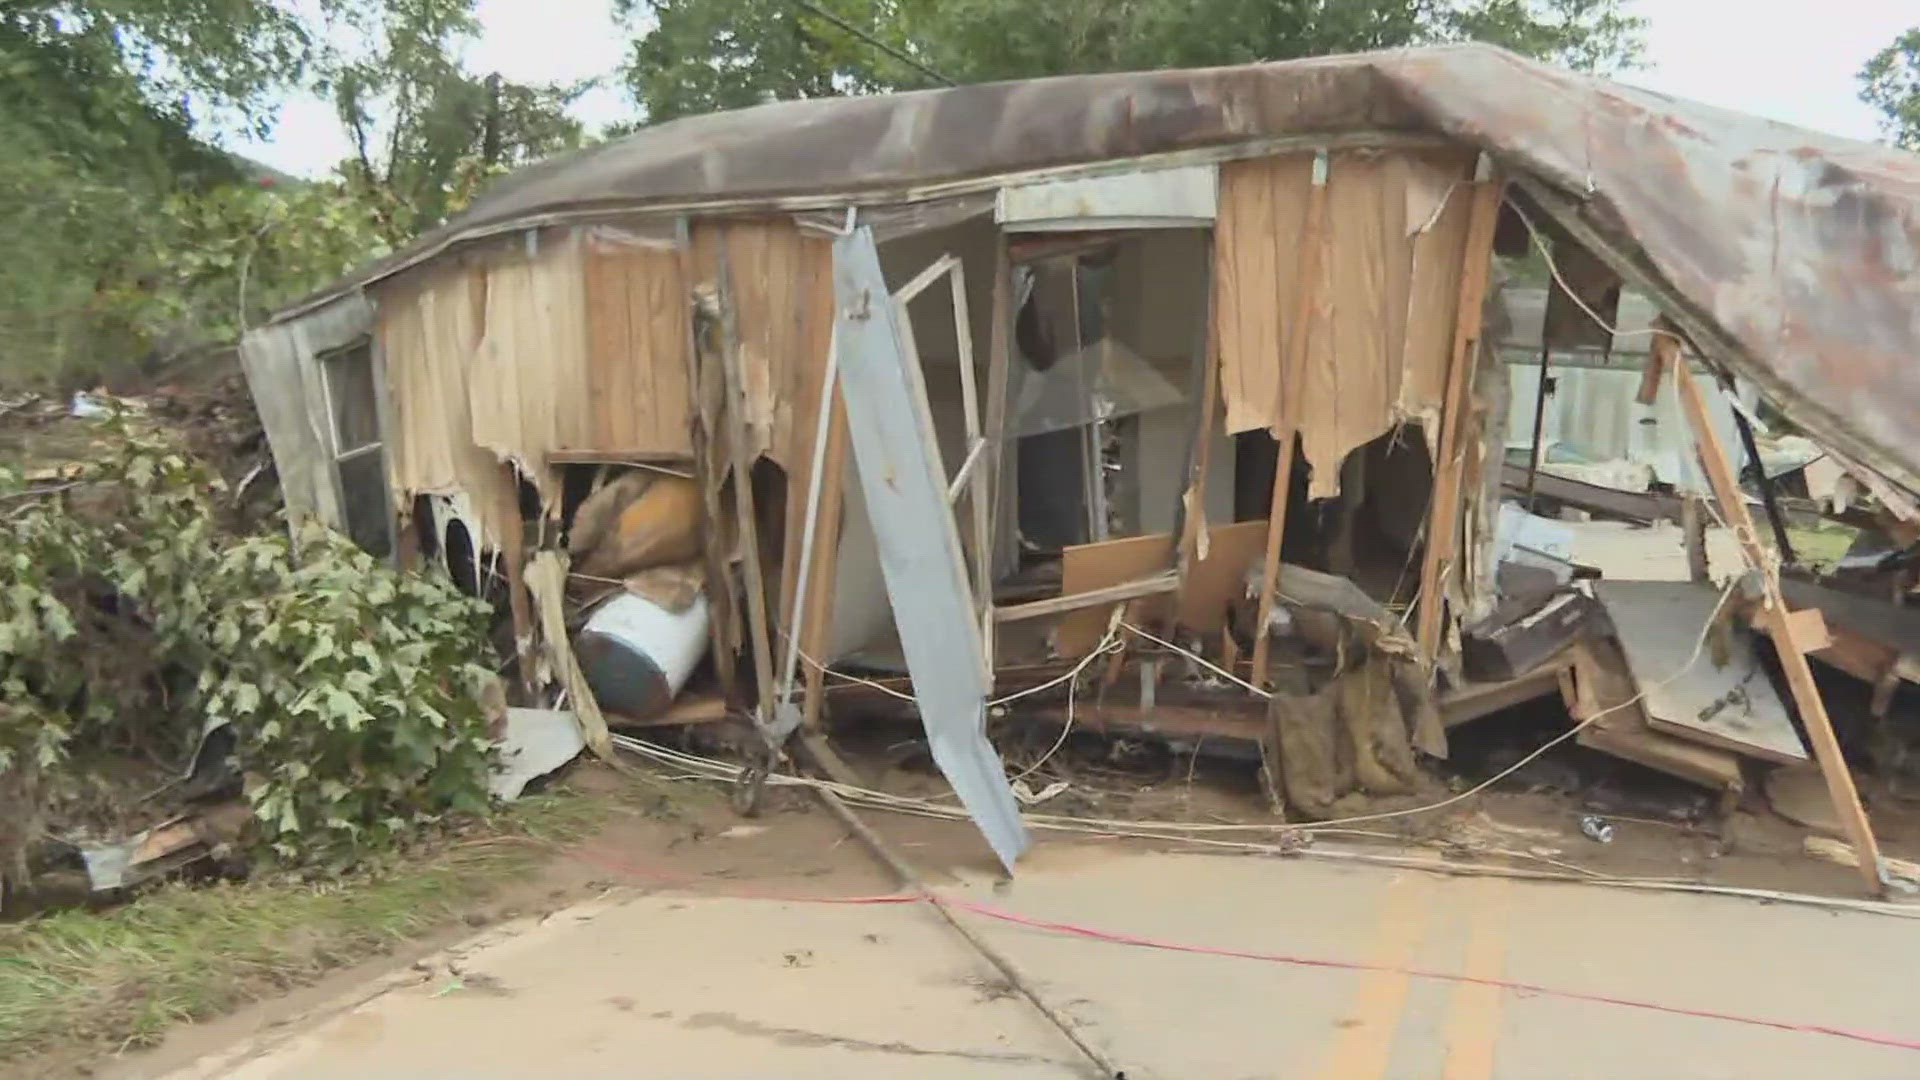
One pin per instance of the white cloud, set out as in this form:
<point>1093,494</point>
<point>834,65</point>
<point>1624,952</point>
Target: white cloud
<point>523,40</point>
<point>1788,60</point>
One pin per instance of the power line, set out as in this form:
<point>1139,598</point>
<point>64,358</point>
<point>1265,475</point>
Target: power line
<point>874,41</point>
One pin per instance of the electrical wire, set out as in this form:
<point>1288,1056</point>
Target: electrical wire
<point>1106,645</point>
<point>1533,233</point>
<point>720,771</point>
<point>702,886</point>
<point>1699,647</point>
<point>1157,829</point>
<point>1198,659</point>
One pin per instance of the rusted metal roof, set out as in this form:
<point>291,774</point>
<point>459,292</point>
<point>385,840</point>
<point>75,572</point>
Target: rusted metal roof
<point>1798,251</point>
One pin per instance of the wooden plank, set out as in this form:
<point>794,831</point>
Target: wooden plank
<point>1208,589</point>
<point>657,291</point>
<point>924,279</point>
<point>1292,380</point>
<point>1808,630</point>
<point>1211,585</point>
<point>1660,625</point>
<point>1895,627</point>
<point>1793,659</point>
<point>1443,518</point>
<point>669,462</point>
<point>1693,537</point>
<point>1085,568</point>
<point>1471,701</point>
<point>1157,585</point>
<point>609,351</point>
<point>1193,501</point>
<point>1637,506</point>
<point>685,709</point>
<point>1661,356</point>
<point>803,369</point>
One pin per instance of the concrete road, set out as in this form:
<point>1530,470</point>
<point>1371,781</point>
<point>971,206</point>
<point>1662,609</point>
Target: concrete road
<point>719,987</point>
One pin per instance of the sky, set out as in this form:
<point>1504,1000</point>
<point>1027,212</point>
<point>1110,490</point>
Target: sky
<point>1788,60</point>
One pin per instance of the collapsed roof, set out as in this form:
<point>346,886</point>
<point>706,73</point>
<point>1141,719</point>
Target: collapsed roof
<point>1792,256</point>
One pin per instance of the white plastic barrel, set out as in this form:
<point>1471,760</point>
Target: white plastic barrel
<point>637,655</point>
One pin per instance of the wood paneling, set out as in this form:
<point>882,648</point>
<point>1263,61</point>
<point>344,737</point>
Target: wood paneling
<point>1378,342</point>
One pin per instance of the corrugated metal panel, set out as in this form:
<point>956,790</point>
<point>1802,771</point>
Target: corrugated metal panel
<point>891,431</point>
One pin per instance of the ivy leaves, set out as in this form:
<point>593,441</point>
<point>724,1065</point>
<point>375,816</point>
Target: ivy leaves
<point>352,689</point>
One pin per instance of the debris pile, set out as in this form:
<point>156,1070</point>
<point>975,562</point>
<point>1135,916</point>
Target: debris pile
<point>162,669</point>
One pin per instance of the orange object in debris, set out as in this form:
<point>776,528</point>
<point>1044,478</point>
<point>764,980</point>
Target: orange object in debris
<point>662,525</point>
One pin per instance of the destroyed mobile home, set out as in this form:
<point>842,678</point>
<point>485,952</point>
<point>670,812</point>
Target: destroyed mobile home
<point>1181,389</point>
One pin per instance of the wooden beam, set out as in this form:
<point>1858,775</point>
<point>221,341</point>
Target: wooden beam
<point>707,396</point>
<point>1291,382</point>
<point>735,421</point>
<point>999,350</point>
<point>968,465</point>
<point>1662,354</point>
<point>1787,633</point>
<point>668,464</point>
<point>904,294</point>
<point>1443,516</point>
<point>815,621</point>
<point>1058,605</point>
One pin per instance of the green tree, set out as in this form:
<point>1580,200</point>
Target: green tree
<point>113,84</point>
<point>700,55</point>
<point>426,132</point>
<point>1890,82</point>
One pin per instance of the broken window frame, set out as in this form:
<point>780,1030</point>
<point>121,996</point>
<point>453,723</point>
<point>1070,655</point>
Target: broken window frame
<point>968,477</point>
<point>361,350</point>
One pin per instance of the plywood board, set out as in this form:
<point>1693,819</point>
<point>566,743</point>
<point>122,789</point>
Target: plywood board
<point>428,327</point>
<point>1438,211</point>
<point>1736,708</point>
<point>527,390</point>
<point>1377,344</point>
<point>781,289</point>
<point>1211,587</point>
<point>1262,210</point>
<point>1086,567</point>
<point>637,307</point>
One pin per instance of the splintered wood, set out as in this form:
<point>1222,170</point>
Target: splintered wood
<point>1377,343</point>
<point>1786,633</point>
<point>1443,516</point>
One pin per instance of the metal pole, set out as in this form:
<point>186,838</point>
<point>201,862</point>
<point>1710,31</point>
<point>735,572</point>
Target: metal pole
<point>1539,421</point>
<point>1764,481</point>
